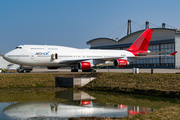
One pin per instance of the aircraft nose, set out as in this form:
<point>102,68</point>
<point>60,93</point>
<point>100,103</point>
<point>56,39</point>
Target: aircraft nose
<point>5,56</point>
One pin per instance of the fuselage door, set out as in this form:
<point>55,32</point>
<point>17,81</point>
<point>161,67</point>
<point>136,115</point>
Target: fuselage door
<point>54,56</point>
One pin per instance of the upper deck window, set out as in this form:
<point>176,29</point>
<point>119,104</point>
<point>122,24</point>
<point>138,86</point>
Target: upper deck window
<point>18,48</point>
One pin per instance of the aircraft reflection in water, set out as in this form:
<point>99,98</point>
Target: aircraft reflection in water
<point>69,109</point>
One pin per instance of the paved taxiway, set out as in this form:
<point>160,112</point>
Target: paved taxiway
<point>39,70</point>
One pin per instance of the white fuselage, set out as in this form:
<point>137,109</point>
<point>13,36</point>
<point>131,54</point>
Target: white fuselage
<point>41,55</point>
<point>47,109</point>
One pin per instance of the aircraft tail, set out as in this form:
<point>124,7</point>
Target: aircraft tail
<point>142,43</point>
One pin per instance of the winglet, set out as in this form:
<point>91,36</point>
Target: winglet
<point>172,54</point>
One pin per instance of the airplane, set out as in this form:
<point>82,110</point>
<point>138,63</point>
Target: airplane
<point>54,57</point>
<point>68,109</point>
<point>52,109</point>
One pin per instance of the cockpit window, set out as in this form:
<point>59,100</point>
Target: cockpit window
<point>18,48</point>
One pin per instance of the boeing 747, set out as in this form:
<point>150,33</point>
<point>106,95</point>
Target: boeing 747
<point>85,59</point>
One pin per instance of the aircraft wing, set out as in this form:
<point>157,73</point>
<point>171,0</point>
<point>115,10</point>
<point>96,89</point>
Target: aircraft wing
<point>109,58</point>
<point>72,61</point>
<point>80,60</point>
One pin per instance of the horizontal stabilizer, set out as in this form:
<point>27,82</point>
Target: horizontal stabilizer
<point>148,56</point>
<point>151,53</point>
<point>172,54</point>
<point>131,59</point>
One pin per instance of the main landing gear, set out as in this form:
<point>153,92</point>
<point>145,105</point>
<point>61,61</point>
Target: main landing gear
<point>74,69</point>
<point>91,70</point>
<point>23,69</point>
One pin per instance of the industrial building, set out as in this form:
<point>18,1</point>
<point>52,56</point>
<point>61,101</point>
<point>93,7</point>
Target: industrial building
<point>162,39</point>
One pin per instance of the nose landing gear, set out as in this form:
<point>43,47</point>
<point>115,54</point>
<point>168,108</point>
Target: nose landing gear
<point>23,69</point>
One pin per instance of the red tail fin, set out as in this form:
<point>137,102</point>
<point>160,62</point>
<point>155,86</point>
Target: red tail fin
<point>142,43</point>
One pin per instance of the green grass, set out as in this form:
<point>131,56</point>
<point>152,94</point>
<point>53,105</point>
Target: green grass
<point>167,85</point>
<point>26,80</point>
<point>32,80</point>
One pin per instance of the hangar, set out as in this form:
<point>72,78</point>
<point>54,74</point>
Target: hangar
<point>162,39</point>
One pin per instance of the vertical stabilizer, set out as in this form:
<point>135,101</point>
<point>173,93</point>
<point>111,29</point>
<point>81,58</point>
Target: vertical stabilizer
<point>142,43</point>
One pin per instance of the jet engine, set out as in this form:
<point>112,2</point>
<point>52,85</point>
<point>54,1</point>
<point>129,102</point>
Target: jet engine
<point>120,63</point>
<point>84,65</point>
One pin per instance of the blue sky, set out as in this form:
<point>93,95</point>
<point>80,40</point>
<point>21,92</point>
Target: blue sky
<point>74,22</point>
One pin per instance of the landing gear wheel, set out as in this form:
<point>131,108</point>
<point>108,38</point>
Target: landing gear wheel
<point>27,71</point>
<point>74,70</point>
<point>91,70</point>
<point>85,70</point>
<point>20,70</point>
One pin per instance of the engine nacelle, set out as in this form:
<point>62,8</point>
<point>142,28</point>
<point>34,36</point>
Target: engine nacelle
<point>52,67</point>
<point>84,65</point>
<point>120,63</point>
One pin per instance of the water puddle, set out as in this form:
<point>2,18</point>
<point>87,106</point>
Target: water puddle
<point>66,104</point>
